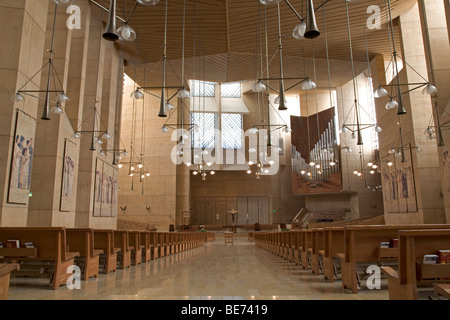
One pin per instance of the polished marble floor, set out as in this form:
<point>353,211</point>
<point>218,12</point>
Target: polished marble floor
<point>216,272</point>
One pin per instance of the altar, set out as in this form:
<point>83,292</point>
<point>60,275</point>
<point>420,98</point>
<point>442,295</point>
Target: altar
<point>232,228</point>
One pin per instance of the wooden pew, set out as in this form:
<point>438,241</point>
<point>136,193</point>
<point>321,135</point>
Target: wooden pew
<point>162,244</point>
<point>291,249</point>
<point>333,250</point>
<point>154,242</point>
<point>277,243</point>
<point>170,243</point>
<point>362,245</point>
<point>104,240</point>
<point>286,244</point>
<point>136,247</point>
<point>121,240</point>
<point>82,241</point>
<point>176,242</point>
<point>306,248</point>
<point>50,244</point>
<point>317,250</point>
<point>442,290</point>
<point>413,245</point>
<point>147,245</point>
<point>298,247</point>
<point>5,271</point>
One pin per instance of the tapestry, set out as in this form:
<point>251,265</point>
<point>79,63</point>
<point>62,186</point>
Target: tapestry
<point>399,187</point>
<point>22,159</point>
<point>106,190</point>
<point>67,203</point>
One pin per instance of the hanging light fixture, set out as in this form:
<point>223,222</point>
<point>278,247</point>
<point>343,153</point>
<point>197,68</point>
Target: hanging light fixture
<point>396,86</point>
<point>299,31</point>
<point>270,2</point>
<point>259,87</point>
<point>262,84</point>
<point>392,104</point>
<point>162,109</point>
<point>308,84</point>
<point>148,2</point>
<point>311,31</point>
<point>126,33</point>
<point>356,129</point>
<point>164,129</point>
<point>57,109</point>
<point>381,93</point>
<point>182,92</point>
<point>137,95</point>
<point>61,96</point>
<point>110,33</point>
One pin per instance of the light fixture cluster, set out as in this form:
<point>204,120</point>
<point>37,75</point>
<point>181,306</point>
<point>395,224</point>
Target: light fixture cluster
<point>395,94</point>
<point>260,168</point>
<point>136,168</point>
<point>202,170</point>
<point>136,165</point>
<point>398,151</point>
<point>373,167</point>
<point>381,92</point>
<point>59,93</point>
<point>355,133</point>
<point>182,93</point>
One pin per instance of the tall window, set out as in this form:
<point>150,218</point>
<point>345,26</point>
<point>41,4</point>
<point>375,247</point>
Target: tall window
<point>231,130</point>
<point>203,88</point>
<point>231,90</point>
<point>203,135</point>
<point>229,122</point>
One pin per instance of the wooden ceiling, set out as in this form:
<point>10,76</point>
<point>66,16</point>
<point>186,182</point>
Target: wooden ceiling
<point>225,39</point>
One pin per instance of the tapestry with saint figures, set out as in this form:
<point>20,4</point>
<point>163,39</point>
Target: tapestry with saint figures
<point>22,159</point>
<point>70,162</point>
<point>106,190</point>
<point>399,187</point>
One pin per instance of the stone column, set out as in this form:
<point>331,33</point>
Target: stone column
<point>21,56</point>
<point>437,51</point>
<point>413,124</point>
<point>76,80</point>
<point>447,15</point>
<point>90,111</point>
<point>183,177</point>
<point>46,180</point>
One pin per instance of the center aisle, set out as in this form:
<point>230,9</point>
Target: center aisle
<point>217,271</point>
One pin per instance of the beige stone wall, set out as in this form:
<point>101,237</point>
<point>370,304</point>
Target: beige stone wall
<point>413,124</point>
<point>100,104</point>
<point>76,57</point>
<point>44,206</point>
<point>437,52</point>
<point>21,56</point>
<point>158,192</point>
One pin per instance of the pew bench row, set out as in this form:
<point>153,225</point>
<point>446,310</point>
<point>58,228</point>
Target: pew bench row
<point>93,250</point>
<point>337,252</point>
